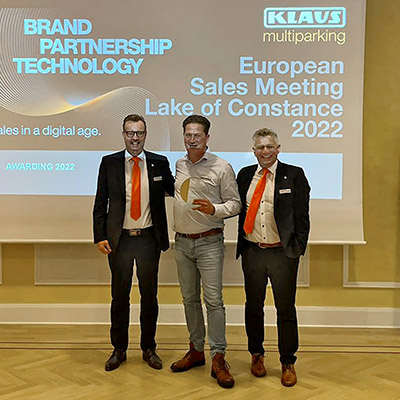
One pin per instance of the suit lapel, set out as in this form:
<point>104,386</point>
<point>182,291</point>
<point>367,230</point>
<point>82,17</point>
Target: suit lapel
<point>278,181</point>
<point>249,178</point>
<point>246,184</point>
<point>150,169</point>
<point>121,170</point>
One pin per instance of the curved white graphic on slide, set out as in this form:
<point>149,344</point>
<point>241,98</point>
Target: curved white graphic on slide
<point>19,90</point>
<point>110,110</point>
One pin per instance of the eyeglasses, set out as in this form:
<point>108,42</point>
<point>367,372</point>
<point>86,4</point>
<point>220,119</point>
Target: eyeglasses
<point>131,134</point>
<point>190,136</point>
<point>269,147</point>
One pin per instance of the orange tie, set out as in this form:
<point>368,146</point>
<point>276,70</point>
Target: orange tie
<point>135,197</point>
<point>255,203</point>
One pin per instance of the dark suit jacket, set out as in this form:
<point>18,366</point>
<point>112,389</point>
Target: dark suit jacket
<point>290,209</point>
<point>109,204</point>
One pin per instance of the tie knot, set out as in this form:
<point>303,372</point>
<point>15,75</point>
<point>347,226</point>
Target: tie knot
<point>135,160</point>
<point>265,171</point>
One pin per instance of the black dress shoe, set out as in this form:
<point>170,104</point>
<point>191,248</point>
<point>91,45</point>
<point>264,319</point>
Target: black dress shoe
<point>116,358</point>
<point>151,357</point>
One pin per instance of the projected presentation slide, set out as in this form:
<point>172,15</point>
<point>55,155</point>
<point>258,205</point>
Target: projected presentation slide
<point>71,73</point>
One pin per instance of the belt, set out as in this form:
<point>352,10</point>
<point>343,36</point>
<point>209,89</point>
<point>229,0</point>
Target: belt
<point>269,245</point>
<point>211,232</point>
<point>138,232</point>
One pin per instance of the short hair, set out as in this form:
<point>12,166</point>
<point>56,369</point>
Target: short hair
<point>134,118</point>
<point>197,119</point>
<point>265,132</point>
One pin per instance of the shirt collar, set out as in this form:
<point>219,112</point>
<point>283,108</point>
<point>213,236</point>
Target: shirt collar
<point>205,156</point>
<point>129,156</point>
<point>271,169</point>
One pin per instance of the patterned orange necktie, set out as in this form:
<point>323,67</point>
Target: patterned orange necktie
<point>255,203</point>
<point>135,196</point>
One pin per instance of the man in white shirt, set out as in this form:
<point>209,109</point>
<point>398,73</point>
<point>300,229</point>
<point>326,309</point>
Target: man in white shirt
<point>205,193</point>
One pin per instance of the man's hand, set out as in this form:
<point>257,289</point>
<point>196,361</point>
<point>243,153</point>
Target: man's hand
<point>104,247</point>
<point>205,206</point>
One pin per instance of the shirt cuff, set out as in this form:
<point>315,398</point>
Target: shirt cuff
<point>219,211</point>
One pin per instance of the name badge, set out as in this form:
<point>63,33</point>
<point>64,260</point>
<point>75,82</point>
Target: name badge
<point>285,191</point>
<point>157,178</point>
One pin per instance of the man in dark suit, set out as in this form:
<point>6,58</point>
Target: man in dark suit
<point>130,224</point>
<point>273,232</point>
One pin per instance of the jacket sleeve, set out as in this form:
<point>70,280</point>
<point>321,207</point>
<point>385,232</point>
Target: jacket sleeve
<point>301,210</point>
<point>169,180</point>
<point>100,208</point>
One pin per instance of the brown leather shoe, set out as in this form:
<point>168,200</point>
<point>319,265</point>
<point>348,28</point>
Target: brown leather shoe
<point>192,358</point>
<point>288,375</point>
<point>152,358</point>
<point>220,371</point>
<point>116,358</point>
<point>257,365</point>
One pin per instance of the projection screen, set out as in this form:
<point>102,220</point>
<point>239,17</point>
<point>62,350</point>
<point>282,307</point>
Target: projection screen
<point>70,72</point>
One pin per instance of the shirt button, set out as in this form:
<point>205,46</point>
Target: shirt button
<point>263,226</point>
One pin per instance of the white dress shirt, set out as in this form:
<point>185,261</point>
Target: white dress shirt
<point>265,229</point>
<point>145,217</point>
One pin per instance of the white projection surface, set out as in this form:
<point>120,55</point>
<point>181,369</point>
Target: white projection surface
<point>70,73</point>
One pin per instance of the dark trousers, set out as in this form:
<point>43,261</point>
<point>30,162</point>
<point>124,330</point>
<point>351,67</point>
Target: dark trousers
<point>258,266</point>
<point>143,250</point>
